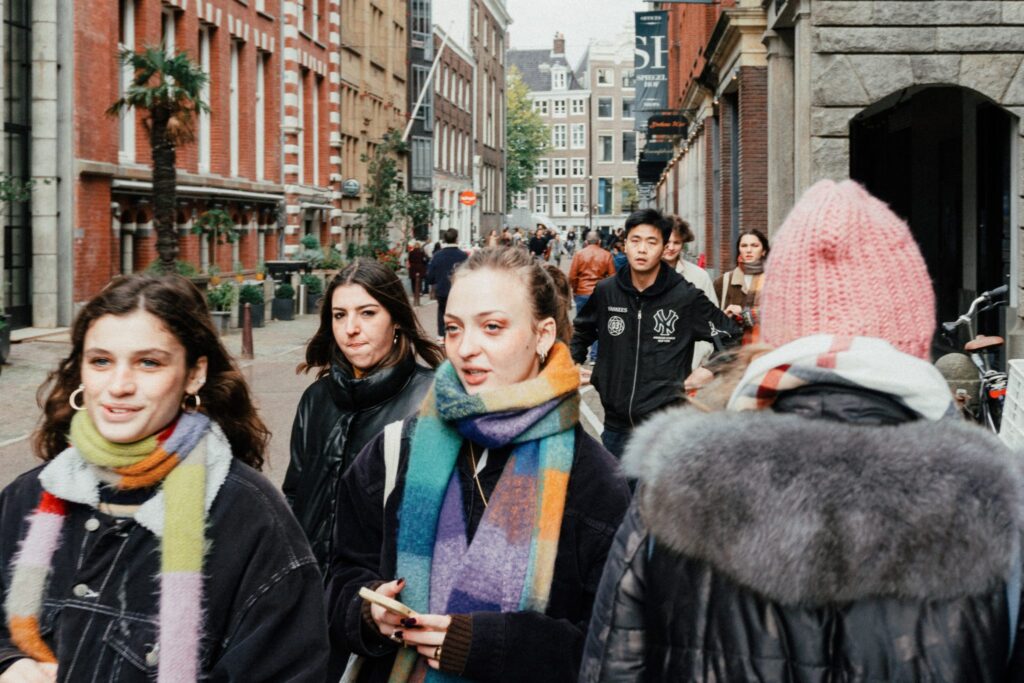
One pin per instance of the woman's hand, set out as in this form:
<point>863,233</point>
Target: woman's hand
<point>585,374</point>
<point>734,311</point>
<point>388,623</point>
<point>426,633</point>
<point>698,378</point>
<point>29,671</point>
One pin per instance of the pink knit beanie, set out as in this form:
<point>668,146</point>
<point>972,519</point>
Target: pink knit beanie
<point>843,263</point>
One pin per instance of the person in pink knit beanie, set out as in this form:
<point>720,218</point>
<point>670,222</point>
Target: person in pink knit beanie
<point>843,263</point>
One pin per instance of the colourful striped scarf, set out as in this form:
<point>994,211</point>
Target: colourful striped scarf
<point>139,465</point>
<point>517,539</point>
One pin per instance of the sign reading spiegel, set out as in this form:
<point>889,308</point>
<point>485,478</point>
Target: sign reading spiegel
<point>651,61</point>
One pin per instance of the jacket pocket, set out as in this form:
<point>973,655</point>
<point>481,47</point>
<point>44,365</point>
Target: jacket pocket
<point>135,649</point>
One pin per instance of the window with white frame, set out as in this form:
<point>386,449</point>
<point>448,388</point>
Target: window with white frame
<point>579,168</point>
<point>605,107</point>
<point>558,136</point>
<point>126,40</point>
<point>578,107</point>
<point>629,146</point>
<point>261,105</point>
<point>558,108</point>
<point>542,168</point>
<point>579,136</point>
<point>559,168</point>
<point>627,107</point>
<point>558,205</point>
<point>233,110</point>
<point>540,199</point>
<point>629,78</point>
<point>168,39</point>
<point>314,104</point>
<point>300,115</point>
<point>559,79</point>
<point>541,107</point>
<point>579,199</point>
<point>204,116</point>
<point>606,148</point>
<point>605,76</point>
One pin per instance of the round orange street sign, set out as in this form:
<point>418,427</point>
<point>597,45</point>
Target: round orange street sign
<point>467,198</point>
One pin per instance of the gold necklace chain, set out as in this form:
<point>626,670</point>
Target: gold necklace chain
<point>472,462</point>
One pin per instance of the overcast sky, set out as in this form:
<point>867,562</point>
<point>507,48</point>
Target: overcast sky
<point>534,22</point>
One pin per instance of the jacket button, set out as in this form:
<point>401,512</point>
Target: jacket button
<point>153,656</point>
<point>92,524</point>
<point>81,590</point>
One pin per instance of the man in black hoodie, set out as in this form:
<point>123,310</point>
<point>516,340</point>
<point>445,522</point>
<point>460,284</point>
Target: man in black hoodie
<point>439,273</point>
<point>646,319</point>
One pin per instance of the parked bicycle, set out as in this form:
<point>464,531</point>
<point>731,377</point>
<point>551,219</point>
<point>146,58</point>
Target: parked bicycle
<point>985,403</point>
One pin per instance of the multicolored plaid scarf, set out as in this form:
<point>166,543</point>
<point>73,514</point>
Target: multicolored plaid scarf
<point>863,362</point>
<point>510,563</point>
<point>139,465</point>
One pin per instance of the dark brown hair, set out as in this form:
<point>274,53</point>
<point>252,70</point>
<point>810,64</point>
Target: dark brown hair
<point>545,299</point>
<point>682,228</point>
<point>382,284</point>
<point>181,307</point>
<point>761,237</point>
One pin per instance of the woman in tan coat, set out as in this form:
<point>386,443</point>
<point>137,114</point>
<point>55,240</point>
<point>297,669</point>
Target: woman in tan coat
<point>739,290</point>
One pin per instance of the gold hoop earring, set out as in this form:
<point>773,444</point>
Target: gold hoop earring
<point>77,392</point>
<point>191,410</point>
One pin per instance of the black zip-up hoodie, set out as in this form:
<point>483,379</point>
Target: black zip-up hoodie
<point>646,341</point>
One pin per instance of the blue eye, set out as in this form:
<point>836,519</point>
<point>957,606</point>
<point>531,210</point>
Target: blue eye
<point>451,329</point>
<point>100,362</point>
<point>150,363</point>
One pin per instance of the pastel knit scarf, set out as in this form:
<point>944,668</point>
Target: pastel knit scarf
<point>136,465</point>
<point>510,563</point>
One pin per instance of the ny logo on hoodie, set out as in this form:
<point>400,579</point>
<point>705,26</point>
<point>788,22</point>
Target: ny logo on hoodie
<point>665,325</point>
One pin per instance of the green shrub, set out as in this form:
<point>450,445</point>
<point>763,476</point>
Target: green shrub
<point>310,242</point>
<point>183,268</point>
<point>284,291</point>
<point>221,297</point>
<point>332,259</point>
<point>314,285</point>
<point>251,294</point>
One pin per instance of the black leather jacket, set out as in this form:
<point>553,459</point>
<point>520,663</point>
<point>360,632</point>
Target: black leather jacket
<point>856,546</point>
<point>336,417</point>
<point>263,609</point>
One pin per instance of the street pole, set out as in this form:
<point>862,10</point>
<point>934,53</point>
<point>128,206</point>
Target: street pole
<point>426,85</point>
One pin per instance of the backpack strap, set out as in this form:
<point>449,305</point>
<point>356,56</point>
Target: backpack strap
<point>392,449</point>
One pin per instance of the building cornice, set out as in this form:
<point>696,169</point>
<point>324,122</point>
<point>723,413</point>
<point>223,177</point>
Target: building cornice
<point>458,49</point>
<point>498,11</point>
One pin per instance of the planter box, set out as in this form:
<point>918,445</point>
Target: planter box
<point>221,320</point>
<point>5,340</point>
<point>283,309</point>
<point>313,303</point>
<point>257,314</point>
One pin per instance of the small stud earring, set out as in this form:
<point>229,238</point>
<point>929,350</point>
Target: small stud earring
<point>543,357</point>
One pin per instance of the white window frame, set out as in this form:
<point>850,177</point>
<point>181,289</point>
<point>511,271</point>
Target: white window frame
<point>632,109</point>
<point>315,106</point>
<point>559,168</point>
<point>578,107</point>
<point>578,168</point>
<point>559,136</point>
<point>612,109</point>
<point>578,199</point>
<point>578,137</point>
<point>233,102</point>
<point>559,207</point>
<point>300,136</point>
<point>541,107</point>
<point>600,148</point>
<point>541,197</point>
<point>168,34</point>
<point>605,76</point>
<point>559,108</point>
<point>559,79</point>
<point>261,104</point>
<point>126,154</point>
<point>542,168</point>
<point>204,116</point>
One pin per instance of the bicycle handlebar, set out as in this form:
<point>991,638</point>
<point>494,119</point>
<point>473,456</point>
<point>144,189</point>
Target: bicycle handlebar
<point>988,298</point>
<point>998,291</point>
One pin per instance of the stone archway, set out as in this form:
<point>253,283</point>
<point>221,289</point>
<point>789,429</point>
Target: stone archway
<point>942,157</point>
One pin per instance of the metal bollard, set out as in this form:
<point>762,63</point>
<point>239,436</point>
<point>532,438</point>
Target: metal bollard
<point>247,332</point>
<point>301,294</point>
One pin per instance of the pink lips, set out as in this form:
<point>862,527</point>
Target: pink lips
<point>474,379</point>
<point>123,414</point>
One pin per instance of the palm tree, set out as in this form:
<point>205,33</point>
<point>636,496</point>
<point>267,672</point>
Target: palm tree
<point>168,88</point>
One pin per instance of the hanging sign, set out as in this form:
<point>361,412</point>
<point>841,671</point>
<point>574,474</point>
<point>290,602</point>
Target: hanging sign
<point>651,61</point>
<point>467,198</point>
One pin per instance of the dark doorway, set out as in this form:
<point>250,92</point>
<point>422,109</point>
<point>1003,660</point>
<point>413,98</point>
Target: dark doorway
<point>17,236</point>
<point>940,157</point>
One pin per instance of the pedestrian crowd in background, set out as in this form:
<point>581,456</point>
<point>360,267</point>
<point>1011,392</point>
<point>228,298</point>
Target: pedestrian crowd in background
<point>797,500</point>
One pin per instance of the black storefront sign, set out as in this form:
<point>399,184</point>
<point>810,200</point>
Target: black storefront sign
<point>657,151</point>
<point>651,61</point>
<point>667,125</point>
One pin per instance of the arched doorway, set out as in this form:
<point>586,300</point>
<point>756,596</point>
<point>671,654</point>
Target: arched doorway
<point>941,157</point>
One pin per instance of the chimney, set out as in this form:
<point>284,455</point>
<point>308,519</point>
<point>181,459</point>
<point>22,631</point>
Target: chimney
<point>559,44</point>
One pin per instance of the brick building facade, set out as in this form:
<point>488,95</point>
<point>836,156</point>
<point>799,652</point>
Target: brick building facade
<point>453,136</point>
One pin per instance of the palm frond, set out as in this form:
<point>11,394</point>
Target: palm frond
<point>171,82</point>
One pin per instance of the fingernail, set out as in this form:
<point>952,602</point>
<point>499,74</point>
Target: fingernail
<point>409,623</point>
<point>401,581</point>
<point>398,634</point>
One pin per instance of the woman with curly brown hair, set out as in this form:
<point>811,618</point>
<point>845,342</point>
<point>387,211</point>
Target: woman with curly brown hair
<point>364,353</point>
<point>147,545</point>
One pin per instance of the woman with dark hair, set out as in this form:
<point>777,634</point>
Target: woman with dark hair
<point>502,509</point>
<point>364,353</point>
<point>148,547</point>
<point>740,289</point>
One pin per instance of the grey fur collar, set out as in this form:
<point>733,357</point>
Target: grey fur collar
<point>813,512</point>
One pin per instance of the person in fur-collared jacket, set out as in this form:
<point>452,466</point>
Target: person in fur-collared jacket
<point>837,522</point>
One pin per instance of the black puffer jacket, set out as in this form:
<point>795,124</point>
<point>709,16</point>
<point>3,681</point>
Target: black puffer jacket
<point>770,547</point>
<point>646,341</point>
<point>336,417</point>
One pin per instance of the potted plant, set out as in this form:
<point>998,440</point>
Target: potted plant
<point>220,299</point>
<point>261,271</point>
<point>5,338</point>
<point>314,291</point>
<point>283,305</point>
<point>252,295</point>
